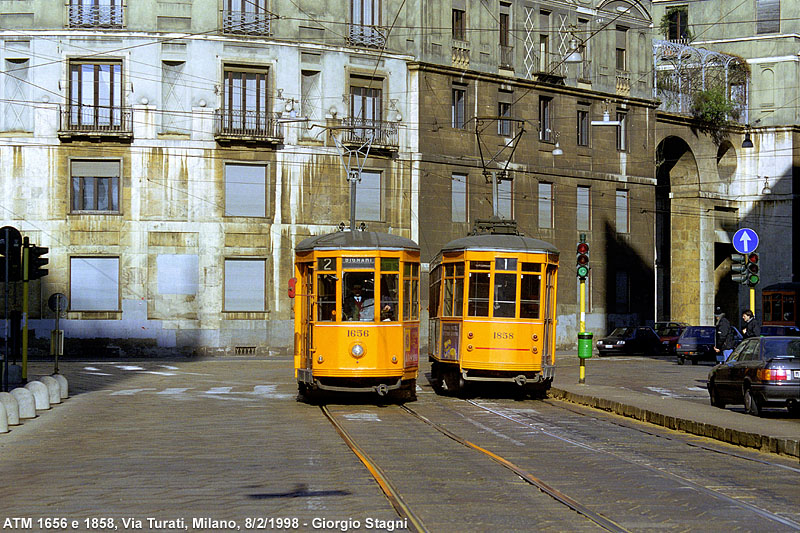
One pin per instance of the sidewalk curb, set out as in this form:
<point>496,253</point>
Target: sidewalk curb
<point>779,445</point>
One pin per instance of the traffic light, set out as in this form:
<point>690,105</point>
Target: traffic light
<point>739,268</point>
<point>14,266</point>
<point>36,261</point>
<point>753,271</point>
<point>583,258</point>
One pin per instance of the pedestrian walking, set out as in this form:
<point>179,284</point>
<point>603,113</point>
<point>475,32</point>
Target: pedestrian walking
<point>751,328</point>
<point>725,337</point>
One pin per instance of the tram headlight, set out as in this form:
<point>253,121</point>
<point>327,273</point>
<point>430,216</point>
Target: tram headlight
<point>357,350</point>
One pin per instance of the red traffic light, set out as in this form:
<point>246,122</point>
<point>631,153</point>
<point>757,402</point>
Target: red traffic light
<point>583,248</point>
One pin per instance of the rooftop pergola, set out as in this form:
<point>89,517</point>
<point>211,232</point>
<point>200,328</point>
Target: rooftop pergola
<point>681,70</point>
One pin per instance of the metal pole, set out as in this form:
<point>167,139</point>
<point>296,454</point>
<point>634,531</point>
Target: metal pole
<point>58,332</point>
<point>25,259</point>
<point>495,206</point>
<point>582,375</point>
<point>352,204</point>
<point>753,299</point>
<point>5,316</point>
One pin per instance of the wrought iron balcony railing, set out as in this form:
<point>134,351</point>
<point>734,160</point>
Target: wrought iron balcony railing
<point>82,16</point>
<point>244,23</point>
<point>247,125</point>
<point>366,35</point>
<point>381,133</point>
<point>95,121</point>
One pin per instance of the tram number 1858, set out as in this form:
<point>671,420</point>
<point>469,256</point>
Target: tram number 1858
<point>358,333</point>
<point>504,335</point>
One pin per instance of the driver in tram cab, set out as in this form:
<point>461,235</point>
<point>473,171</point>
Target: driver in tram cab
<point>358,306</point>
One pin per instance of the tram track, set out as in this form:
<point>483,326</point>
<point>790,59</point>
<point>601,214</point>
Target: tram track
<point>539,421</point>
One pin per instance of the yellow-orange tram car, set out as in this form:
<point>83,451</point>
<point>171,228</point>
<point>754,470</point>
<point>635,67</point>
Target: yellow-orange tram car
<point>357,314</point>
<point>492,311</point>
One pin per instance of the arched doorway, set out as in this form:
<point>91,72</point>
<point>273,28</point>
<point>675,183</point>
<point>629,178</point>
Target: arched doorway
<point>677,195</point>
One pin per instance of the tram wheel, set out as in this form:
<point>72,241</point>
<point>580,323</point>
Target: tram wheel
<point>453,381</point>
<point>304,393</point>
<point>407,391</point>
<point>436,378</point>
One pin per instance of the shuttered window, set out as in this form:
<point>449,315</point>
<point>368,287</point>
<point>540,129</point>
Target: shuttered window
<point>245,284</point>
<point>768,16</point>
<point>245,190</point>
<point>94,283</point>
<point>95,185</point>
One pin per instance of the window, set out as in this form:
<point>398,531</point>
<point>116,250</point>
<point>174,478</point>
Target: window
<point>622,48</point>
<point>458,201</point>
<point>365,29</point>
<point>545,125</point>
<point>358,296</point>
<point>545,205</point>
<point>411,291</point>
<point>544,41</point>
<point>175,117</point>
<point>311,95</point>
<point>622,132</point>
<point>365,12</point>
<point>584,213</point>
<point>95,91</point>
<point>505,24</point>
<point>505,288</point>
<point>366,107</point>
<point>459,25</point>
<point>453,302</point>
<point>245,284</point>
<point>95,185</point>
<point>768,16</point>
<point>583,127</point>
<point>369,196</point>
<point>244,101</point>
<point>505,98</point>
<point>459,107</point>
<point>622,211</point>
<point>530,290</point>
<point>245,190</point>
<point>505,199</point>
<point>390,289</point>
<point>95,13</point>
<point>677,23</point>
<point>17,115</point>
<point>94,283</point>
<point>248,17</point>
<point>478,300</point>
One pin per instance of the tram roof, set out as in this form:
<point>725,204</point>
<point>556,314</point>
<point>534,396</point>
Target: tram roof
<point>500,243</point>
<point>359,240</point>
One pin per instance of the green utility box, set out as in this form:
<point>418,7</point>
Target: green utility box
<point>584,345</point>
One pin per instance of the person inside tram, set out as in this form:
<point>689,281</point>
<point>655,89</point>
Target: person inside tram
<point>359,304</point>
<point>389,297</point>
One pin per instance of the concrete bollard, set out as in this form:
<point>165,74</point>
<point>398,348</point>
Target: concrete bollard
<point>41,396</point>
<point>12,408</point>
<point>25,402</point>
<point>53,389</point>
<point>62,382</point>
<point>3,419</point>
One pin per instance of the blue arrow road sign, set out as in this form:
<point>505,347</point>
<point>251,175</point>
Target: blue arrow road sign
<point>745,241</point>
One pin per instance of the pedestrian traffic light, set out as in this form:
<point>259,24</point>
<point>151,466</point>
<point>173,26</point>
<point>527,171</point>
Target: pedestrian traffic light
<point>582,259</point>
<point>739,268</point>
<point>753,271</point>
<point>36,262</point>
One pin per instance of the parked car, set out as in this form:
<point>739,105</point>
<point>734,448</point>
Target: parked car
<point>630,340</point>
<point>776,331</point>
<point>668,333</point>
<point>761,372</point>
<point>696,343</point>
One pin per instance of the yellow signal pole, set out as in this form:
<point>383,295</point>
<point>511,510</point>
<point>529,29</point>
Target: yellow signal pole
<point>582,375</point>
<point>753,299</point>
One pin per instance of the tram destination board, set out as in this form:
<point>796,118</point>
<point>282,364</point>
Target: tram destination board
<point>358,262</point>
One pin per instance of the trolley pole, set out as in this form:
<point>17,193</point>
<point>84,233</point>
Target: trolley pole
<point>354,177</point>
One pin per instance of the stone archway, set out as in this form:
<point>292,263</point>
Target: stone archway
<point>677,228</point>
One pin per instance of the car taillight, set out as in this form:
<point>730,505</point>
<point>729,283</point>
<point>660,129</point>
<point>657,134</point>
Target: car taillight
<point>678,346</point>
<point>773,374</point>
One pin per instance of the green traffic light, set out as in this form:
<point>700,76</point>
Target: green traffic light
<point>753,279</point>
<point>583,271</point>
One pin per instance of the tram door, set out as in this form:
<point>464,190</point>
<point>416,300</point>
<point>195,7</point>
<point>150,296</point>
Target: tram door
<point>306,315</point>
<point>549,314</point>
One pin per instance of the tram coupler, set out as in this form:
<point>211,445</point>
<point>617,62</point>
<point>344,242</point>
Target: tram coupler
<point>521,380</point>
<point>382,389</point>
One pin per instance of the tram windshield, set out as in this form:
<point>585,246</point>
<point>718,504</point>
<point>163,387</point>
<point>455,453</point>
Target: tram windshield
<point>326,287</point>
<point>358,297</point>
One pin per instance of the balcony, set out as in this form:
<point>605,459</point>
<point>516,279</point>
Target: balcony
<point>507,57</point>
<point>83,16</point>
<point>246,126</point>
<point>460,54</point>
<point>623,84</point>
<point>366,35</point>
<point>244,23</point>
<point>382,134</point>
<point>95,123</point>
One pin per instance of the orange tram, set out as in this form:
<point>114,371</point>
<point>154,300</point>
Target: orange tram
<point>357,314</point>
<point>492,312</point>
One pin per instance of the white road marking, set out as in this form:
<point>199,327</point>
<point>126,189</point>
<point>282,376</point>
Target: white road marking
<point>129,392</point>
<point>129,367</point>
<point>219,390</point>
<point>97,374</point>
<point>372,417</point>
<point>174,391</point>
<point>157,373</point>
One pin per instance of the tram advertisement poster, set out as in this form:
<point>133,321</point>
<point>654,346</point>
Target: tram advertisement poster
<point>451,334</point>
<point>412,346</point>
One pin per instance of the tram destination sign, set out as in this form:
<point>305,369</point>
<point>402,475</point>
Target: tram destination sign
<point>358,262</point>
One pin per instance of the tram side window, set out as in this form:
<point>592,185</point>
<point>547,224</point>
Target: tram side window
<point>410,291</point>
<point>505,295</point>
<point>326,288</point>
<point>390,297</point>
<point>478,302</point>
<point>433,296</point>
<point>358,299</point>
<point>453,289</point>
<point>530,289</point>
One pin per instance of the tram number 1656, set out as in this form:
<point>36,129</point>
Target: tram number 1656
<point>505,335</point>
<point>358,333</point>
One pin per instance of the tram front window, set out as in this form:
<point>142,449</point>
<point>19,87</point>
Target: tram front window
<point>326,288</point>
<point>478,303</point>
<point>530,289</point>
<point>358,301</point>
<point>389,297</point>
<point>505,292</point>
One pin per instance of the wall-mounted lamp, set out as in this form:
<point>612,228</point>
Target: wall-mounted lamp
<point>333,111</point>
<point>766,189</point>
<point>574,56</point>
<point>557,150</point>
<point>747,142</point>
